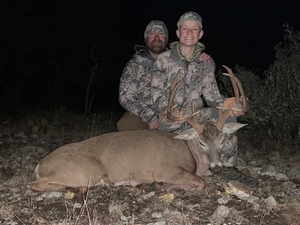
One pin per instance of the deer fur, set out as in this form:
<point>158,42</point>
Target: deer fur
<point>130,158</point>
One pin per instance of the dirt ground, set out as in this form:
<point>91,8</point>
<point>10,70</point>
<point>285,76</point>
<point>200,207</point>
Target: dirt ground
<point>20,150</point>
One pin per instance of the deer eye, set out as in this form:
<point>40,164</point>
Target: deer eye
<point>222,141</point>
<point>202,144</point>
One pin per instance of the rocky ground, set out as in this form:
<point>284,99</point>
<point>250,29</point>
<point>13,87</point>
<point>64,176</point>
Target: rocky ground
<point>275,200</point>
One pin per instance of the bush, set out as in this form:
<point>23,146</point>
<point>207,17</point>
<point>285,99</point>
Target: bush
<point>273,97</point>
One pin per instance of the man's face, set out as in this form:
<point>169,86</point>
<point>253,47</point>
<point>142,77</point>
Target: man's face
<point>156,41</point>
<point>189,33</point>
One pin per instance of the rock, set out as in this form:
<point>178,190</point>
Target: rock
<point>242,191</point>
<point>281,176</point>
<point>253,199</point>
<point>149,195</point>
<point>268,170</point>
<point>240,162</point>
<point>156,215</point>
<point>21,134</point>
<point>294,171</point>
<point>52,194</point>
<point>237,217</point>
<point>39,198</point>
<point>257,169</point>
<point>271,202</point>
<point>158,223</point>
<point>221,212</point>
<point>223,200</point>
<point>40,150</point>
<point>77,205</point>
<point>35,136</point>
<point>124,218</point>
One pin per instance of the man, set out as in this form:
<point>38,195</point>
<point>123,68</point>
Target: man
<point>135,83</point>
<point>198,83</point>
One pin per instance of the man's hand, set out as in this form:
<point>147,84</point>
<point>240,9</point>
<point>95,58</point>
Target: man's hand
<point>230,103</point>
<point>154,125</point>
<point>204,57</point>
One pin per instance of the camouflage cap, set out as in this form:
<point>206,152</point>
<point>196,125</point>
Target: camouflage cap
<point>190,16</point>
<point>155,25</point>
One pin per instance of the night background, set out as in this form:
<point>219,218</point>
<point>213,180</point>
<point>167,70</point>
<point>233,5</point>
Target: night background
<point>60,66</point>
<point>51,50</point>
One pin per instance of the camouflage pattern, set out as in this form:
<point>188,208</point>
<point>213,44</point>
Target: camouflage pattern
<point>198,80</point>
<point>229,150</point>
<point>155,25</point>
<point>190,16</point>
<point>198,49</point>
<point>135,85</point>
<point>198,86</point>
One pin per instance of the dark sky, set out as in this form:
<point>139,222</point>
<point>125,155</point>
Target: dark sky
<point>46,44</point>
<point>236,32</point>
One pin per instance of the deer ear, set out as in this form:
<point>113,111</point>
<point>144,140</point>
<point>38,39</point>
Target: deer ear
<point>187,134</point>
<point>232,127</point>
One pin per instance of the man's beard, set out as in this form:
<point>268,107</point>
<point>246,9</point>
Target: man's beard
<point>156,47</point>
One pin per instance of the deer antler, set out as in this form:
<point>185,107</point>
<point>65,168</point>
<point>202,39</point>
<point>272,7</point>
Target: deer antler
<point>240,99</point>
<point>192,118</point>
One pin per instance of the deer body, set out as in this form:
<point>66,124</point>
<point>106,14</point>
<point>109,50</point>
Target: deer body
<point>130,157</point>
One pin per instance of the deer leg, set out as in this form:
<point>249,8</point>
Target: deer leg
<point>46,185</point>
<point>188,181</point>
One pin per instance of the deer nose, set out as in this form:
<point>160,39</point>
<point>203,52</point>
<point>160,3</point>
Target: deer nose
<point>216,168</point>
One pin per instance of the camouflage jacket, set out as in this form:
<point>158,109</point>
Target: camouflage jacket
<point>135,84</point>
<point>198,85</point>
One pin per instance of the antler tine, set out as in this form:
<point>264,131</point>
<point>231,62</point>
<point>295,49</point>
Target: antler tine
<point>233,83</point>
<point>171,106</point>
<point>239,94</point>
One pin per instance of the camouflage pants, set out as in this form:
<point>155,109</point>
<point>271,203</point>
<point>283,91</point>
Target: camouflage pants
<point>230,146</point>
<point>230,150</point>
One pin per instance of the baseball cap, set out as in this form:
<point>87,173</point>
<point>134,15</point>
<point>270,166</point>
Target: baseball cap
<point>155,25</point>
<point>190,16</point>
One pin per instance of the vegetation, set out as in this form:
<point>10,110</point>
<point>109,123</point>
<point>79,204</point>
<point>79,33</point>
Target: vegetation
<point>273,95</point>
<point>38,125</point>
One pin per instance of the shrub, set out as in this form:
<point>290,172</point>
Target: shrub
<point>38,125</point>
<point>273,98</point>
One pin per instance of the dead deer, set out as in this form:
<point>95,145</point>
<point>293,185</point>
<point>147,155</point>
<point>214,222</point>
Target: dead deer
<point>141,156</point>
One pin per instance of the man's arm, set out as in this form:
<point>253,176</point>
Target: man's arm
<point>204,57</point>
<point>130,96</point>
<point>128,89</point>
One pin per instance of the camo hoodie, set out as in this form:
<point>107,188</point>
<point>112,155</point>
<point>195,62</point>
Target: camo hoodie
<point>198,84</point>
<point>135,85</point>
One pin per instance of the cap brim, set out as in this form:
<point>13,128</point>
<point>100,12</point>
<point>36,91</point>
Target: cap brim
<point>184,20</point>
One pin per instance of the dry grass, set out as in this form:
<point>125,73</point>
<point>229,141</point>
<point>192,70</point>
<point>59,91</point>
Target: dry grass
<point>128,205</point>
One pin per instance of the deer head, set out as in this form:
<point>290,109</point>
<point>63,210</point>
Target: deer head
<point>210,134</point>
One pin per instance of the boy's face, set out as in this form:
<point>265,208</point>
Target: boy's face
<point>189,33</point>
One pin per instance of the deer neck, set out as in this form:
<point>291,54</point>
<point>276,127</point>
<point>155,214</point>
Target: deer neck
<point>201,158</point>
